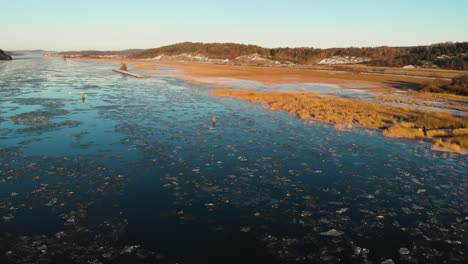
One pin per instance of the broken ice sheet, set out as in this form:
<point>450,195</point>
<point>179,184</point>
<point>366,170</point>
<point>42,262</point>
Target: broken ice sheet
<point>307,194</point>
<point>37,117</point>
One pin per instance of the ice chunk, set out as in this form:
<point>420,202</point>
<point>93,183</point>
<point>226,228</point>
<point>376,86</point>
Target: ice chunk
<point>404,251</point>
<point>245,229</point>
<point>129,249</point>
<point>342,210</point>
<point>306,213</point>
<point>406,210</point>
<point>357,250</point>
<point>332,232</point>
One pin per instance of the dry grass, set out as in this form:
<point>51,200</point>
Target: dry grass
<point>457,144</point>
<point>399,131</point>
<point>438,97</point>
<point>459,132</point>
<point>439,133</point>
<point>352,111</point>
<point>423,72</point>
<point>461,141</point>
<point>343,126</point>
<point>439,120</point>
<point>396,121</point>
<point>299,74</point>
<point>438,73</point>
<point>416,100</point>
<point>437,86</point>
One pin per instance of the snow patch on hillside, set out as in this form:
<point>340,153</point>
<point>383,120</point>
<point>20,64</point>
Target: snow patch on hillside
<point>344,60</point>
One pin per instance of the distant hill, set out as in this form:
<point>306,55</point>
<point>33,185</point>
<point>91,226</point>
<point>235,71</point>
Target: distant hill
<point>210,50</point>
<point>444,55</point>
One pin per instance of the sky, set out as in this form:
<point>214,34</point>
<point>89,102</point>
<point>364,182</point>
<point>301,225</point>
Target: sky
<point>115,25</point>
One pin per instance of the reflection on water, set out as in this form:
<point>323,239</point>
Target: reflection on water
<point>157,170</point>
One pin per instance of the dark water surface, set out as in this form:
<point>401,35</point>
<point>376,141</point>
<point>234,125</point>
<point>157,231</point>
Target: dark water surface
<point>137,174</point>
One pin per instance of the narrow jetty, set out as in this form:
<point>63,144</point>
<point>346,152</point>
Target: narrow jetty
<point>136,75</point>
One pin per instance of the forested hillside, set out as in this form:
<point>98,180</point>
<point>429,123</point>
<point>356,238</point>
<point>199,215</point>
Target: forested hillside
<point>444,55</point>
<point>211,50</point>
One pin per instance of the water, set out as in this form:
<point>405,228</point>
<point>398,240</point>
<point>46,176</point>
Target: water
<point>137,174</point>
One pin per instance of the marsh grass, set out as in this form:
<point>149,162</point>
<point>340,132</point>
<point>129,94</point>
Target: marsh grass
<point>399,131</point>
<point>459,132</point>
<point>461,141</point>
<point>449,98</point>
<point>459,86</point>
<point>401,122</point>
<point>343,126</point>
<point>439,120</point>
<point>439,133</point>
<point>411,99</point>
<point>456,144</point>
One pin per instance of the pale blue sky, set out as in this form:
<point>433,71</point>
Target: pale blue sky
<point>111,25</point>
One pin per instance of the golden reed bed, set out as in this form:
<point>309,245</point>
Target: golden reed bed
<point>396,121</point>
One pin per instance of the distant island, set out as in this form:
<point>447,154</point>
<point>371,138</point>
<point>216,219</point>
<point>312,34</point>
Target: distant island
<point>448,55</point>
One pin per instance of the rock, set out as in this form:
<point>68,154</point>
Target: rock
<point>4,56</point>
<point>388,261</point>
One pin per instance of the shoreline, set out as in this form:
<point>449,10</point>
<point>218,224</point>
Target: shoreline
<point>383,88</point>
<point>394,121</point>
<point>211,74</point>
